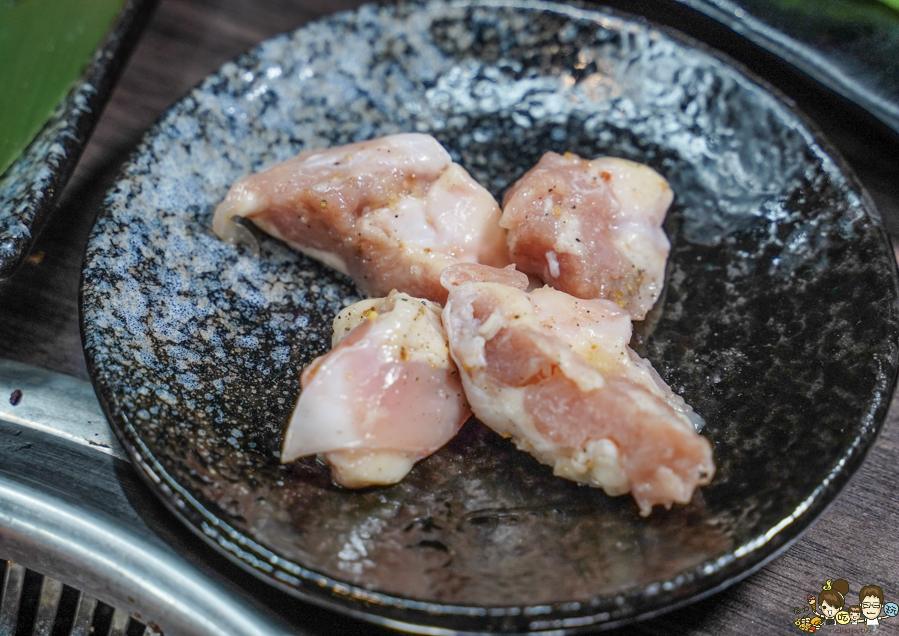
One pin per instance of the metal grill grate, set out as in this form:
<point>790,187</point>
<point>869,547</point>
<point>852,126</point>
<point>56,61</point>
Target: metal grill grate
<point>73,508</point>
<point>32,604</point>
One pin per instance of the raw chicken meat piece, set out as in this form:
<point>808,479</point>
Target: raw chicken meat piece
<point>386,396</point>
<point>391,213</point>
<point>591,228</point>
<point>556,374</point>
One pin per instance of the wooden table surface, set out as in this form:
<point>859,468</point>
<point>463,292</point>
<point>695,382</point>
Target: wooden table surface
<point>855,539</point>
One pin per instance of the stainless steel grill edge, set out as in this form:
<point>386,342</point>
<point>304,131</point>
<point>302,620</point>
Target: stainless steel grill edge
<point>72,509</point>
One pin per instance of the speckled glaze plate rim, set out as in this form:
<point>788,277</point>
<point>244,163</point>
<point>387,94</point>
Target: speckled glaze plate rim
<point>561,618</point>
<point>30,187</point>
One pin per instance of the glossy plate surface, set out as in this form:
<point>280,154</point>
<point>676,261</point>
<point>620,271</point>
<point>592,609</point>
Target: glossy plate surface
<point>779,323</point>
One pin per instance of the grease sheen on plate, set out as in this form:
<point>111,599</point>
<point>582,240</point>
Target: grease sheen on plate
<point>779,323</point>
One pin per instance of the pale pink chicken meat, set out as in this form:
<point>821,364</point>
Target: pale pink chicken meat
<point>386,396</point>
<point>391,213</point>
<point>591,228</point>
<point>555,373</point>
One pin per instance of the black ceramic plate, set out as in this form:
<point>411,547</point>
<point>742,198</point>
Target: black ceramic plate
<point>30,187</point>
<point>779,325</point>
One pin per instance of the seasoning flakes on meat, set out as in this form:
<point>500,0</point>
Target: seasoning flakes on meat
<point>555,373</point>
<point>591,228</point>
<point>386,396</point>
<point>391,213</point>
